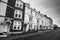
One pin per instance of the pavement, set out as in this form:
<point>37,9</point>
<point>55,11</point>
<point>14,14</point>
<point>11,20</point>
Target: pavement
<point>23,35</point>
<point>49,35</point>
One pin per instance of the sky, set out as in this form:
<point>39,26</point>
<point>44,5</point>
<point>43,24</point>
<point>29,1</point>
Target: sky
<point>51,8</point>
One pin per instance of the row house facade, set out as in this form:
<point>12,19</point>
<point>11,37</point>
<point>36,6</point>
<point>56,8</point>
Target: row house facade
<point>17,13</point>
<point>47,22</point>
<point>50,23</point>
<point>27,16</point>
<point>19,16</point>
<point>13,9</point>
<point>38,19</point>
<point>34,12</point>
<point>30,18</point>
<point>2,15</point>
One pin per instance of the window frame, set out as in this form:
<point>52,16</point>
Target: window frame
<point>18,12</point>
<point>19,4</point>
<point>17,24</point>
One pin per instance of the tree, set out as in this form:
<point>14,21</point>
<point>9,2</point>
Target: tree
<point>55,26</point>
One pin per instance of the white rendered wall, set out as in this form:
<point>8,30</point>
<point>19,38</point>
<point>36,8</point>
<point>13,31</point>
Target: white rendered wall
<point>27,14</point>
<point>3,12</point>
<point>3,7</point>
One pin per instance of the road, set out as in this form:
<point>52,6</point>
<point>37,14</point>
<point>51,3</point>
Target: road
<point>44,35</point>
<point>51,35</point>
<point>10,37</point>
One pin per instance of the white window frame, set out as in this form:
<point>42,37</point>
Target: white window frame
<point>17,23</point>
<point>18,12</point>
<point>14,24</point>
<point>19,3</point>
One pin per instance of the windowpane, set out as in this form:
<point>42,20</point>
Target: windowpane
<point>19,23</point>
<point>15,22</point>
<point>20,12</point>
<point>14,27</point>
<point>18,27</point>
<point>17,4</point>
<point>16,11</point>
<point>20,5</point>
<point>15,15</point>
<point>19,15</point>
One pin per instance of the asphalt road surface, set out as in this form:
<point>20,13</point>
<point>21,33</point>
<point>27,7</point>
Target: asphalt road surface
<point>51,35</point>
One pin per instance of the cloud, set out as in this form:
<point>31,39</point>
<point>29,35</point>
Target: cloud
<point>54,13</point>
<point>48,7</point>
